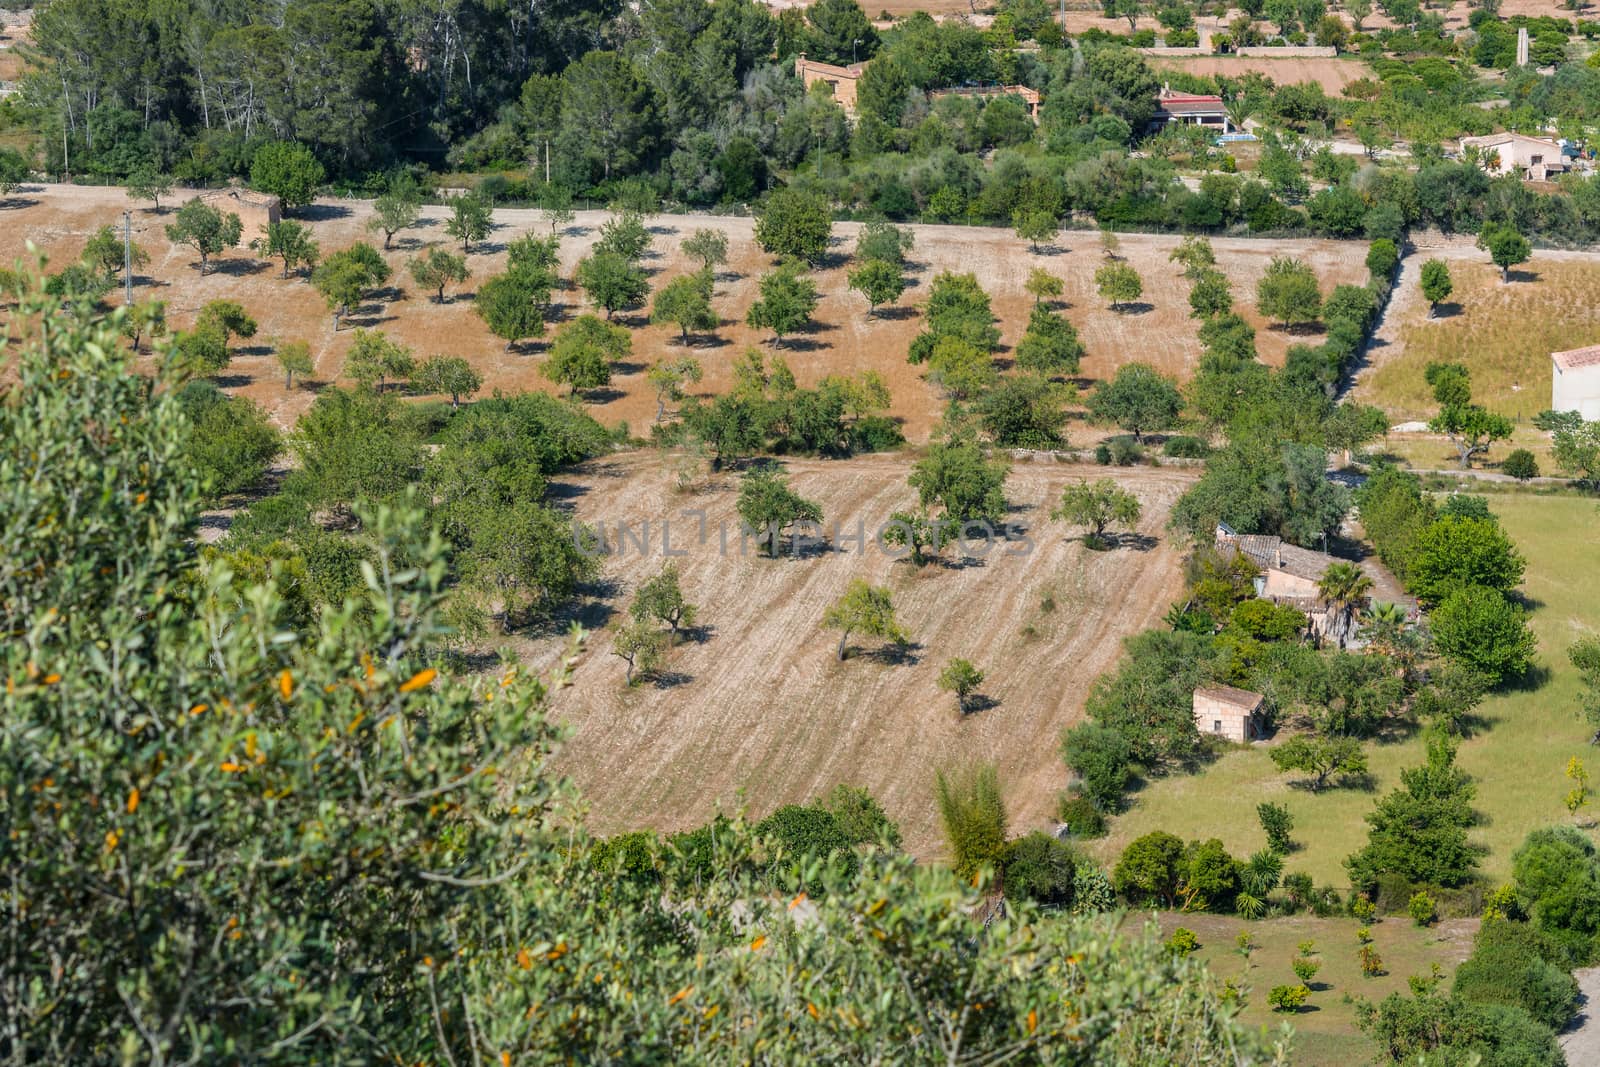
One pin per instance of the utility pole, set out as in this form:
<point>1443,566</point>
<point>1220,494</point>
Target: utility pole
<point>127,258</point>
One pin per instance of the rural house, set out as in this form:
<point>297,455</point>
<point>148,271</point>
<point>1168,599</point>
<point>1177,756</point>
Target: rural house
<point>1288,572</point>
<point>1192,110</point>
<point>256,211</point>
<point>1533,159</point>
<point>1223,711</point>
<point>840,80</point>
<point>1575,381</point>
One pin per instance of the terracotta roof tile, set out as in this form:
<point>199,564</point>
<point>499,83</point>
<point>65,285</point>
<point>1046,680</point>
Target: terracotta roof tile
<point>1574,358</point>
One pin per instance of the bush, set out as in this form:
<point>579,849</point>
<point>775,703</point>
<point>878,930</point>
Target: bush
<point>1521,465</point>
<point>1512,963</point>
<point>1371,962</point>
<point>1422,909</point>
<point>1276,823</point>
<point>1186,448</point>
<point>1363,909</point>
<point>1481,629</point>
<point>1079,815</point>
<point>1305,969</point>
<point>1039,868</point>
<point>1124,452</point>
<point>1102,454</point>
<point>1100,756</point>
<point>1288,997</point>
<point>1183,941</point>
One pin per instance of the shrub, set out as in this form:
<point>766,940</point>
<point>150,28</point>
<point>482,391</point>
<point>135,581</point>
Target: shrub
<point>1512,963</point>
<point>1422,909</point>
<point>1124,452</point>
<point>1521,465</point>
<point>1100,756</point>
<point>1185,448</point>
<point>1183,941</point>
<point>1288,997</point>
<point>1305,969</point>
<point>1363,909</point>
<point>1039,868</point>
<point>1371,962</point>
<point>1080,816</point>
<point>1276,823</point>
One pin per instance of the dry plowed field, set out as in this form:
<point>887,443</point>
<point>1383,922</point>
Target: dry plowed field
<point>759,707</point>
<point>58,219</point>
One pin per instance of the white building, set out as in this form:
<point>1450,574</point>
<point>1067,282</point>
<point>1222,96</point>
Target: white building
<point>1575,382</point>
<point>1535,159</point>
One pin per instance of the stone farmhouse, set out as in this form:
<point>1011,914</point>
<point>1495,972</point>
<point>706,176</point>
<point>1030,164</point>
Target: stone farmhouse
<point>840,80</point>
<point>1289,573</point>
<point>1223,711</point>
<point>1534,159</point>
<point>1575,381</point>
<point>256,211</point>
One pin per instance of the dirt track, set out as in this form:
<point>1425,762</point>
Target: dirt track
<point>763,707</point>
<point>59,219</point>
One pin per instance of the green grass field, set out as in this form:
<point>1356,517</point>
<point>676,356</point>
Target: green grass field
<point>1325,1028</point>
<point>1517,761</point>
<point>1504,333</point>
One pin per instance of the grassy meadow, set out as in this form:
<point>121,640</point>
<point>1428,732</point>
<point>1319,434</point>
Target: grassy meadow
<point>1503,332</point>
<point>1517,758</point>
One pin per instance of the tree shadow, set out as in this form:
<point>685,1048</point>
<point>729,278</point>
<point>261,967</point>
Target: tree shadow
<point>603,395</point>
<point>800,344</point>
<point>321,212</point>
<point>1522,276</point>
<point>1447,310</point>
<point>978,702</point>
<point>1137,307</point>
<point>253,351</point>
<point>231,381</point>
<point>662,230</point>
<point>625,369</point>
<point>709,340</point>
<point>237,268</point>
<point>699,634</point>
<point>564,490</point>
<point>17,203</point>
<point>1138,542</point>
<point>897,313</point>
<point>890,655</point>
<point>661,679</point>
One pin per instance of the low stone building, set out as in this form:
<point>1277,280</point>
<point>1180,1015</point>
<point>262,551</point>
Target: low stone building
<point>1575,382</point>
<point>1223,711</point>
<point>840,80</point>
<point>1288,572</point>
<point>256,211</point>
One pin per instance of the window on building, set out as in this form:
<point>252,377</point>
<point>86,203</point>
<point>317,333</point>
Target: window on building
<point>1216,726</point>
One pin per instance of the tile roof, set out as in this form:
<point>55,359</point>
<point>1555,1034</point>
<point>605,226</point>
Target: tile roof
<point>1303,562</point>
<point>1574,358</point>
<point>1227,694</point>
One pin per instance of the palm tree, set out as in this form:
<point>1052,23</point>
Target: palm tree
<point>1343,588</point>
<point>1239,110</point>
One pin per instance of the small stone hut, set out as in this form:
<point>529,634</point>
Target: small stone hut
<point>1224,711</point>
<point>256,211</point>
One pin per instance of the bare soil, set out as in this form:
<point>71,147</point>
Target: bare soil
<point>1332,74</point>
<point>843,340</point>
<point>756,710</point>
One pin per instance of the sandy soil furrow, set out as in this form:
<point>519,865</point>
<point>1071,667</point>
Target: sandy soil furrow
<point>761,708</point>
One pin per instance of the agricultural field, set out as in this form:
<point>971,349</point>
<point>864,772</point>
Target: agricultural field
<point>1331,74</point>
<point>1503,332</point>
<point>843,339</point>
<point>1325,1030</point>
<point>1516,758</point>
<point>757,711</point>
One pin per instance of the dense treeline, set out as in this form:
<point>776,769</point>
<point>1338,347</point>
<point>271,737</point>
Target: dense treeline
<point>695,102</point>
